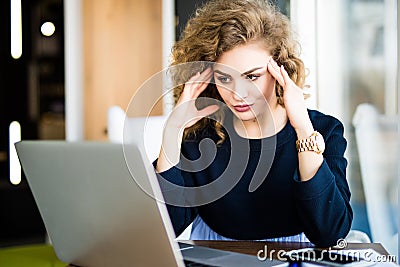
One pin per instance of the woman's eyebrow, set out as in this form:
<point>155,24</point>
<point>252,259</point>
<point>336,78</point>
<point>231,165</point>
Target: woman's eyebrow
<point>222,73</point>
<point>250,71</point>
<point>243,74</point>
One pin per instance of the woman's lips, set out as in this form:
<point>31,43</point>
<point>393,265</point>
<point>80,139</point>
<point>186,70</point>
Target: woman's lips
<point>242,108</point>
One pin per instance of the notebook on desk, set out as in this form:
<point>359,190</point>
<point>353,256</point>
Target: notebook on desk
<point>97,215</point>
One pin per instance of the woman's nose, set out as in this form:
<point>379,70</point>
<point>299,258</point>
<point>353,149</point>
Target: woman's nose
<point>240,92</point>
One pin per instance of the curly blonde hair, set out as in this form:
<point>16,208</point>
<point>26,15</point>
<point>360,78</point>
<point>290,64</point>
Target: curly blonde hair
<point>219,26</point>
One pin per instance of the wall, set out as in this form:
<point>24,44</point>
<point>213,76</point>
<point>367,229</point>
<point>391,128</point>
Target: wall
<point>122,48</point>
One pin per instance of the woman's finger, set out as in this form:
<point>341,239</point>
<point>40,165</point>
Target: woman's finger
<point>275,72</point>
<point>285,75</point>
<point>200,77</point>
<point>193,78</point>
<point>197,83</point>
<point>202,85</point>
<point>204,75</point>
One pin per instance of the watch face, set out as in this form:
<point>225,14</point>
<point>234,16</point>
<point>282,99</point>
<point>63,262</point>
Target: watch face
<point>320,143</point>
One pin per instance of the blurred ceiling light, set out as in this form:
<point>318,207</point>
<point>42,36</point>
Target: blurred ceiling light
<point>16,29</point>
<point>15,167</point>
<point>48,28</point>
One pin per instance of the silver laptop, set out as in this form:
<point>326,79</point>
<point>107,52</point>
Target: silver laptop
<point>97,215</point>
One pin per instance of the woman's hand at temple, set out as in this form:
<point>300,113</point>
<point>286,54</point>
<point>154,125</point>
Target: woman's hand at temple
<point>296,110</point>
<point>293,99</point>
<point>184,115</point>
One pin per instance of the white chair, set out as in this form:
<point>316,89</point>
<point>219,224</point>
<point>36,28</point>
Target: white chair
<point>377,143</point>
<point>122,129</point>
<point>357,236</point>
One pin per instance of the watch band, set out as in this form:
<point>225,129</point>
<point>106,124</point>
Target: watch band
<point>311,143</point>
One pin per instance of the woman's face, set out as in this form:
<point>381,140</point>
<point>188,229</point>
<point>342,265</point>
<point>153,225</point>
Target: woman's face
<point>243,81</point>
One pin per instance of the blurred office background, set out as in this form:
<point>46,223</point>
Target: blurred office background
<point>64,63</point>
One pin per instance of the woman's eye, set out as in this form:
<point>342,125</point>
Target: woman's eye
<point>224,79</point>
<point>252,77</point>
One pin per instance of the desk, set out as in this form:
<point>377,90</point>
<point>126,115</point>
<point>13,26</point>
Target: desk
<point>252,247</point>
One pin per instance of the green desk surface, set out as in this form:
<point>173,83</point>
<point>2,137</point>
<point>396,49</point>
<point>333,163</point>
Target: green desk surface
<point>29,256</point>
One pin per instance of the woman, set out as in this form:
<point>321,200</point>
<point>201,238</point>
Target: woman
<point>289,184</point>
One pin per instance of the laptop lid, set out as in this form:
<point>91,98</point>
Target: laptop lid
<point>94,212</point>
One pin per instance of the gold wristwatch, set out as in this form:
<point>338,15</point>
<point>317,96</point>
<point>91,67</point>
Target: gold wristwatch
<point>314,143</point>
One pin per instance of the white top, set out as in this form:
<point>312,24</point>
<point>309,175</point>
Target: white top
<point>201,231</point>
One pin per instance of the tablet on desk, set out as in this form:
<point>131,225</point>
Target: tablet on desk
<point>325,257</point>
